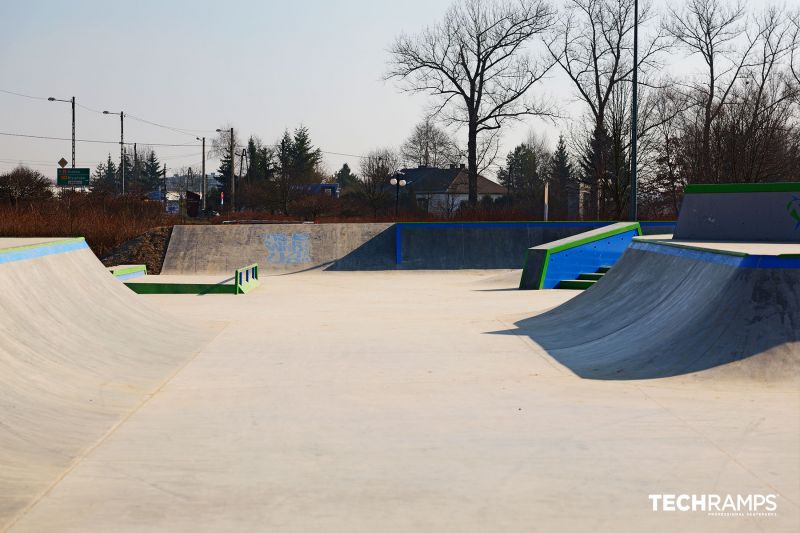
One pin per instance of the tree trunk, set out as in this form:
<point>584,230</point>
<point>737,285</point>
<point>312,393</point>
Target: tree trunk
<point>472,162</point>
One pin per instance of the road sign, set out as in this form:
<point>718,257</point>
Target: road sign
<point>62,162</point>
<point>72,177</point>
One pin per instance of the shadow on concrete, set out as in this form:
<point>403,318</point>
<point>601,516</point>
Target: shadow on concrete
<point>378,253</point>
<point>676,318</point>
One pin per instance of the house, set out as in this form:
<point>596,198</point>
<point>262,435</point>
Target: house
<point>443,190</point>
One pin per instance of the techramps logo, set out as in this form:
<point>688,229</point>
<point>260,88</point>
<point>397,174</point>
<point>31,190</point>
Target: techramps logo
<point>793,208</point>
<point>728,505</point>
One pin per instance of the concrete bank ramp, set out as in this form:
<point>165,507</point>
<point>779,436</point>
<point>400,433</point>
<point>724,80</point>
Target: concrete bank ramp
<point>78,353</point>
<point>665,311</point>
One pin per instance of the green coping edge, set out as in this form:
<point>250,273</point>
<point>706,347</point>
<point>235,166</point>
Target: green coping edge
<point>710,188</point>
<point>691,247</point>
<point>128,270</point>
<point>597,237</point>
<point>181,288</point>
<point>245,286</point>
<point>40,245</point>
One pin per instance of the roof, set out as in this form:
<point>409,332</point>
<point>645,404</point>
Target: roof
<point>430,180</point>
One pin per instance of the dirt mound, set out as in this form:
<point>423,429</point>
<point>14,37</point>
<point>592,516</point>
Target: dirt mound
<point>149,249</point>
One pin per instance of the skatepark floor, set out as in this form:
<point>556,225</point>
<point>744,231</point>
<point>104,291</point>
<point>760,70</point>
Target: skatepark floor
<point>404,401</point>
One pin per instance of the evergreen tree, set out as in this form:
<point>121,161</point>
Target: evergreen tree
<point>304,158</point>
<point>563,188</point>
<point>130,182</point>
<point>345,178</point>
<point>596,169</point>
<point>524,176</point>
<point>104,179</point>
<point>150,173</point>
<point>285,160</point>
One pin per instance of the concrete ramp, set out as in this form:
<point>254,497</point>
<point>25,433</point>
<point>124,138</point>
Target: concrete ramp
<point>666,310</point>
<point>741,212</point>
<point>78,353</point>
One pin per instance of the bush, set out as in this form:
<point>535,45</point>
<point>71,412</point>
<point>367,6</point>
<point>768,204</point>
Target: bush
<point>24,185</point>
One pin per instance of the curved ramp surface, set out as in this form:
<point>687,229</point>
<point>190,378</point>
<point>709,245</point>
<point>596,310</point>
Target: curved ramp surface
<point>78,353</point>
<point>665,311</point>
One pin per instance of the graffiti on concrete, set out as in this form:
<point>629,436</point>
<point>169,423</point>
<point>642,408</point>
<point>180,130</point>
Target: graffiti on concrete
<point>285,249</point>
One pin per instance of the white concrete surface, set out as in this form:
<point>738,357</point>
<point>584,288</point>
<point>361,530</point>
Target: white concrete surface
<point>404,401</point>
<point>78,353</point>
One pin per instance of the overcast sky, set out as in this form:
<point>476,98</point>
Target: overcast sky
<point>262,66</point>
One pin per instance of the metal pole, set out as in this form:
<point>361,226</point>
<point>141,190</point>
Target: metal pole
<point>635,108</point>
<point>73,132</point>
<point>397,198</point>
<point>233,178</point>
<point>122,147</point>
<point>205,179</point>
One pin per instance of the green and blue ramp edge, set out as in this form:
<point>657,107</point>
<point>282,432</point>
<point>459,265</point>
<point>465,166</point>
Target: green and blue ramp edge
<point>123,272</point>
<point>244,280</point>
<point>578,261</point>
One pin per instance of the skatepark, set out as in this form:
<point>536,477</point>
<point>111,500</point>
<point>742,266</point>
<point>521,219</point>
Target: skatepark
<point>394,377</point>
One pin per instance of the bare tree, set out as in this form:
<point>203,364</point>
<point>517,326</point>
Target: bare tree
<point>711,29</point>
<point>593,44</point>
<point>376,170</point>
<point>429,146</point>
<point>475,62</point>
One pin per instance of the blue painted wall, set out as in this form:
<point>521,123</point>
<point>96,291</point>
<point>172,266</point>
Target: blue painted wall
<point>586,258</point>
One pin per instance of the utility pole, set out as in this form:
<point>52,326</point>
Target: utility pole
<point>121,144</point>
<point>241,163</point>
<point>164,187</point>
<point>70,101</point>
<point>233,177</point>
<point>635,109</point>
<point>135,164</point>
<point>73,132</point>
<point>204,184</point>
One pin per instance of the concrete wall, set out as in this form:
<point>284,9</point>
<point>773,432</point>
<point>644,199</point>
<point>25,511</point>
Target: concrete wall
<point>279,248</point>
<point>486,244</point>
<point>740,216</point>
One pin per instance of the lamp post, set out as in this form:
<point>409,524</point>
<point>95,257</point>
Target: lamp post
<point>70,101</point>
<point>121,144</point>
<point>204,183</point>
<point>233,175</point>
<point>398,182</point>
<point>635,108</point>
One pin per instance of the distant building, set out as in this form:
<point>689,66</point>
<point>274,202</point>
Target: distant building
<point>443,190</point>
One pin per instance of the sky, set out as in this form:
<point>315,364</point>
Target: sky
<point>259,66</point>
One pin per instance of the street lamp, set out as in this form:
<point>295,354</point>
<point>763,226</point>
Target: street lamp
<point>70,101</point>
<point>397,182</point>
<point>121,144</point>
<point>232,176</point>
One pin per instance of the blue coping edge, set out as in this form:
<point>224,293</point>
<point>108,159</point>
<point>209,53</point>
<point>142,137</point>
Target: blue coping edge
<point>132,275</point>
<point>41,251</point>
<point>721,258</point>
<point>586,258</point>
<point>398,228</point>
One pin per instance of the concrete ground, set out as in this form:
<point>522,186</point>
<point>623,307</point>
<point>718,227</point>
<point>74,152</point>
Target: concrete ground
<point>403,401</point>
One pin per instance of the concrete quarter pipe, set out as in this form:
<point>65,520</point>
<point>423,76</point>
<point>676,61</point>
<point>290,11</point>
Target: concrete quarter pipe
<point>78,353</point>
<point>665,310</point>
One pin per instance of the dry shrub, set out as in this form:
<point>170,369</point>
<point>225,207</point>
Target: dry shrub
<point>105,221</point>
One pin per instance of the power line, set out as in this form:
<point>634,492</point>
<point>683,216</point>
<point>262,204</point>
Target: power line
<point>183,131</point>
<point>23,95</point>
<point>46,137</point>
